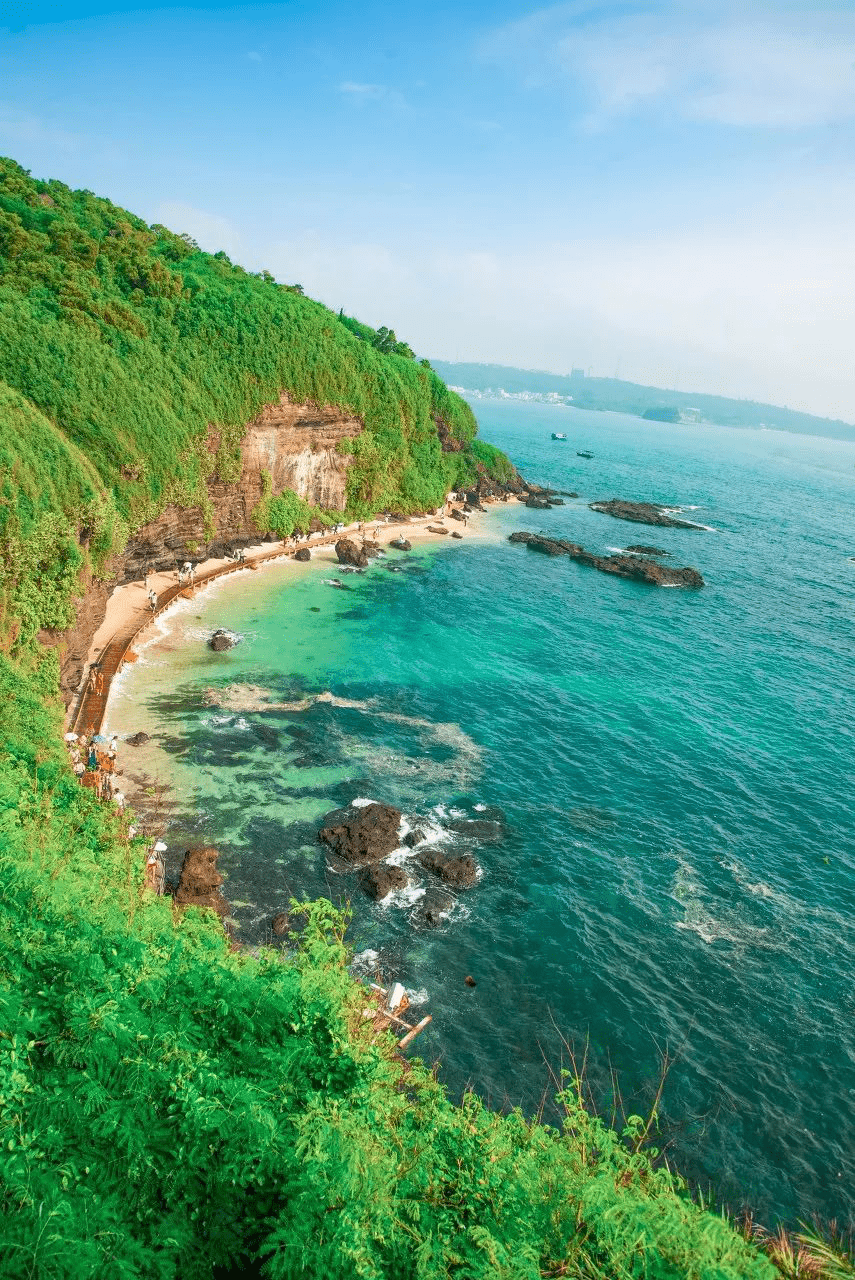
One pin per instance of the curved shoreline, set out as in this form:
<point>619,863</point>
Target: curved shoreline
<point>126,619</point>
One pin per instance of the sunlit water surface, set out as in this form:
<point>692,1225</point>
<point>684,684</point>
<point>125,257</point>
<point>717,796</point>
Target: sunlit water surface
<point>674,770</point>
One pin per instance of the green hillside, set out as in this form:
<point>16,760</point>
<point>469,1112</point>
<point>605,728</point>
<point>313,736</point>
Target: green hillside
<point>169,1106</point>
<point>130,363</point>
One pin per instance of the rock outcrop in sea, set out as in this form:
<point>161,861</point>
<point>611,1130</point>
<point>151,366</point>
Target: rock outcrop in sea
<point>222,640</point>
<point>362,834</point>
<point>380,879</point>
<point>458,871</point>
<point>349,552</point>
<point>624,566</point>
<point>640,513</point>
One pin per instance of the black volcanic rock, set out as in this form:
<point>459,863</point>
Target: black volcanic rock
<point>222,640</point>
<point>139,739</point>
<point>459,871</point>
<point>380,880</point>
<point>303,554</point>
<point>349,553</point>
<point>639,549</point>
<point>433,908</point>
<point>640,513</point>
<point>401,544</point>
<point>624,566</point>
<point>538,504</point>
<point>362,834</point>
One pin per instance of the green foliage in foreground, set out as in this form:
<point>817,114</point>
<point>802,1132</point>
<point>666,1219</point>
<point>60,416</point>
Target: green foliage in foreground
<point>130,364</point>
<point>168,1106</point>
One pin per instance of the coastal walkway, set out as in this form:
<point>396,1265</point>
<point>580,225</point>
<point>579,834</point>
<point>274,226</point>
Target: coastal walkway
<point>87,716</point>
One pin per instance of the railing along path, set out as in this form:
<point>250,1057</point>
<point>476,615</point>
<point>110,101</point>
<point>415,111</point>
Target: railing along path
<point>92,705</point>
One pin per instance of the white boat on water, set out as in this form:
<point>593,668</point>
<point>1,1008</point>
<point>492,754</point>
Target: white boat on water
<point>558,435</point>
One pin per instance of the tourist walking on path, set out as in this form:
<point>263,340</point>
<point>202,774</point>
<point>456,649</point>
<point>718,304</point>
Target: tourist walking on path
<point>152,600</point>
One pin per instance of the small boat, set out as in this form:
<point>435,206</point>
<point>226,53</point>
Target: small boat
<point>558,435</point>
<point>583,453</point>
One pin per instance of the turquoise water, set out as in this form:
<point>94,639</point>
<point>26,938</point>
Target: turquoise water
<point>674,771</point>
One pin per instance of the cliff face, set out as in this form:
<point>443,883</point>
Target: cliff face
<point>294,443</point>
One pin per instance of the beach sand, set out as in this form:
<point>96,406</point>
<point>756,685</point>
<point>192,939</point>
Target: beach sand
<point>129,603</point>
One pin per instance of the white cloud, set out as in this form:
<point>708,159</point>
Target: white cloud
<point>358,92</point>
<point>775,66</point>
<point>211,232</point>
<point>21,127</point>
<point>254,56</point>
<point>363,91</point>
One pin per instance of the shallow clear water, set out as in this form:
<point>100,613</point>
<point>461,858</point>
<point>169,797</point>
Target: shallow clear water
<point>675,771</point>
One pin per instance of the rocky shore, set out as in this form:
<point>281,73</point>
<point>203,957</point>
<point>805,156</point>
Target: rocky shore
<point>363,835</point>
<point>624,566</point>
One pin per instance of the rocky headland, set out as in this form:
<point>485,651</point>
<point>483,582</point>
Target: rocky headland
<point>624,566</point>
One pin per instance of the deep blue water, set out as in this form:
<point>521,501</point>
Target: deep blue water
<point>675,771</point>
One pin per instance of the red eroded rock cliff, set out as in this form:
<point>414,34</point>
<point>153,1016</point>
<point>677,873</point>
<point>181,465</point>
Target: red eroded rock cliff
<point>295,444</point>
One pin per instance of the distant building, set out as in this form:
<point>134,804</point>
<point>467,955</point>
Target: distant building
<point>577,373</point>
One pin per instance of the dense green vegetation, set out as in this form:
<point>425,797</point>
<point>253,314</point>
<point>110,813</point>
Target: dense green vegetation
<point>632,397</point>
<point>130,363</point>
<point>169,1106</point>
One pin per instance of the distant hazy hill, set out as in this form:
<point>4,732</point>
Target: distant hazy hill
<point>631,397</point>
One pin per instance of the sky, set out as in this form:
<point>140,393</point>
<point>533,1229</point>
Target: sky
<point>658,191</point>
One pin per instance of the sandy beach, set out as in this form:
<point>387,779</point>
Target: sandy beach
<point>128,604</point>
<point>129,625</point>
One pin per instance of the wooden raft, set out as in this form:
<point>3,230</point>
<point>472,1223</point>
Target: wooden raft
<point>386,1011</point>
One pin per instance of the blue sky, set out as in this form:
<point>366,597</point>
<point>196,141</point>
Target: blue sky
<point>660,189</point>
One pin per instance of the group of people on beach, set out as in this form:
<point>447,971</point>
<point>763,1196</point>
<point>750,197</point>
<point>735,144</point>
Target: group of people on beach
<point>94,763</point>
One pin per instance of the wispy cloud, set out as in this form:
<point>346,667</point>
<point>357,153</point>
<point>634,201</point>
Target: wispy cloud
<point>358,92</point>
<point>254,56</point>
<point>21,127</point>
<point>785,65</point>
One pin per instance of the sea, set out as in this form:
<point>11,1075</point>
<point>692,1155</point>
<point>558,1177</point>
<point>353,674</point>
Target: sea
<point>656,784</point>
